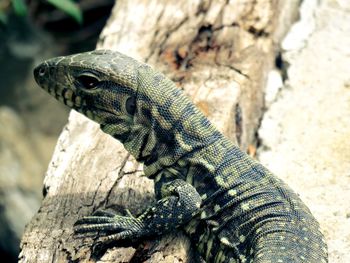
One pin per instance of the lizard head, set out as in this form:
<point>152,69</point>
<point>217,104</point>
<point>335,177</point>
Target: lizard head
<point>100,84</point>
<point>132,102</point>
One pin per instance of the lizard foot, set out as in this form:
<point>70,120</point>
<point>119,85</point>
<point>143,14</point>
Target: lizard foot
<point>111,226</point>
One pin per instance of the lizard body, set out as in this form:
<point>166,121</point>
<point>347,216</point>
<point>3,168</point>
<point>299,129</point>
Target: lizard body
<point>233,209</point>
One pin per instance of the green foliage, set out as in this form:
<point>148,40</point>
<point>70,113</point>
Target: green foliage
<point>3,17</point>
<point>19,7</point>
<point>69,7</point>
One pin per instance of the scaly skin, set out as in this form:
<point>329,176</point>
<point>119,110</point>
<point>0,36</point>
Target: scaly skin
<point>232,208</point>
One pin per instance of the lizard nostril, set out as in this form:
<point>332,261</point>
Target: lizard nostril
<point>42,71</point>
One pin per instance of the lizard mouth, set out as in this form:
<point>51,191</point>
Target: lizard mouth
<point>76,102</point>
<point>65,95</point>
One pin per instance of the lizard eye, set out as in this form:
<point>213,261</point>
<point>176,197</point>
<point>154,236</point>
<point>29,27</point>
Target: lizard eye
<point>130,105</point>
<point>88,81</point>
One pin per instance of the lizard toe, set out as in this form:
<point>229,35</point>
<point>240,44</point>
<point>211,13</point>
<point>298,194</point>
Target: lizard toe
<point>94,220</point>
<point>104,227</point>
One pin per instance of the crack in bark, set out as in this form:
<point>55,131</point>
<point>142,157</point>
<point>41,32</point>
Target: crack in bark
<point>120,176</point>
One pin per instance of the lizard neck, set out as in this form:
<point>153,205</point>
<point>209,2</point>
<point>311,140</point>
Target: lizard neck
<point>166,125</point>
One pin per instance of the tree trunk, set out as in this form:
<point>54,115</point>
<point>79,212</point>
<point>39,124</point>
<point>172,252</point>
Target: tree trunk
<point>219,52</point>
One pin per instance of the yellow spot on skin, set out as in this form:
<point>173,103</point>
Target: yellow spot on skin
<point>220,181</point>
<point>245,206</point>
<point>232,192</point>
<point>241,238</point>
<point>158,177</point>
<point>242,258</point>
<point>225,241</point>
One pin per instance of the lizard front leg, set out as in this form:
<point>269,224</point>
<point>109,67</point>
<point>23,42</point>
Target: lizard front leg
<point>180,202</point>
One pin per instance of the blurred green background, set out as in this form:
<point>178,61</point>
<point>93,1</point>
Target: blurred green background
<point>30,121</point>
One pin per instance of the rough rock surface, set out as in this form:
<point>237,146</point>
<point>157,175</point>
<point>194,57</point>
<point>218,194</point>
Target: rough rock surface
<point>305,132</point>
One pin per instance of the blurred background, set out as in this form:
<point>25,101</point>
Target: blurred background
<point>30,121</point>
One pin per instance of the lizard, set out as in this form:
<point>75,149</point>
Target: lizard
<point>232,207</point>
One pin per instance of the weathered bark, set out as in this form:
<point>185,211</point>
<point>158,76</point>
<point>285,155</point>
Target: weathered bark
<point>220,53</point>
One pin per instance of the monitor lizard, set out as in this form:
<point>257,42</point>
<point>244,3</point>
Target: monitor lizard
<point>232,208</point>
